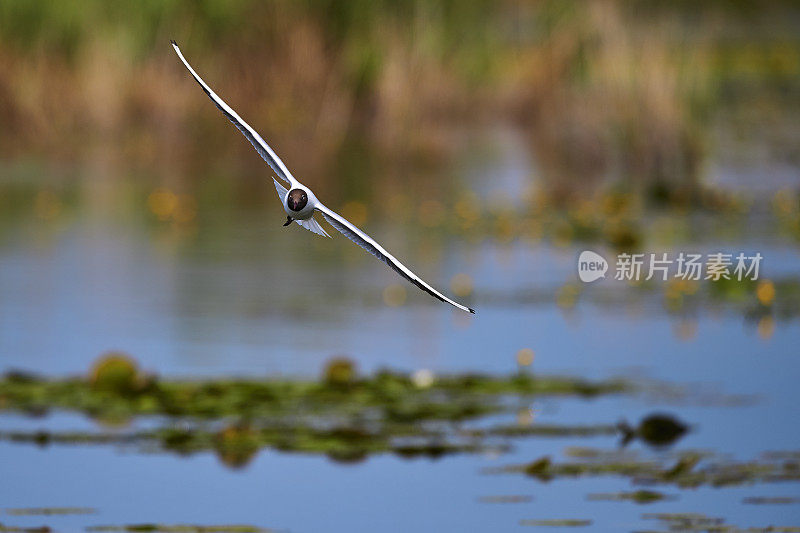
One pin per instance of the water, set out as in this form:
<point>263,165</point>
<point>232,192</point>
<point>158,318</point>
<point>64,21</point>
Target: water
<point>249,298</point>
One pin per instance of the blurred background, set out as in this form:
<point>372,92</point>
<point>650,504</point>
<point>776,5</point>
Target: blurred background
<point>485,144</point>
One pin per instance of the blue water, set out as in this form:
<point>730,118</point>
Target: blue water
<point>92,288</point>
<point>249,298</point>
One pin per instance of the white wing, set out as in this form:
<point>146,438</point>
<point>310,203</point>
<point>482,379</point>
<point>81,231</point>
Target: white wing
<point>282,192</point>
<point>310,224</point>
<point>255,139</point>
<point>313,225</point>
<point>365,241</point>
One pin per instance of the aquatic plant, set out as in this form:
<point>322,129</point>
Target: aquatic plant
<point>116,372</point>
<point>343,416</point>
<point>687,469</point>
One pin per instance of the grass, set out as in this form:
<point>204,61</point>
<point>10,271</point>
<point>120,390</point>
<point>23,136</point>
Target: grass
<point>608,94</point>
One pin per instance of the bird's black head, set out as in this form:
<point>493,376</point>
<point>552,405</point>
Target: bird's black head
<point>297,199</point>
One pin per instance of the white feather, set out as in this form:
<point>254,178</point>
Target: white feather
<point>312,225</point>
<point>281,190</point>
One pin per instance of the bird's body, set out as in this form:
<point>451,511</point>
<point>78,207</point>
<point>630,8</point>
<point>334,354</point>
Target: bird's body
<point>301,204</point>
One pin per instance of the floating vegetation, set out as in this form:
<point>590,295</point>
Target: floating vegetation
<point>344,416</point>
<point>686,470</point>
<point>569,522</point>
<point>182,528</point>
<point>47,511</point>
<point>615,455</point>
<point>423,378</point>
<point>540,468</point>
<point>775,500</point>
<point>116,372</point>
<point>638,496</point>
<point>236,445</point>
<point>543,430</point>
<point>395,396</point>
<point>340,372</point>
<point>349,417</point>
<point>9,529</point>
<point>701,522</point>
<point>525,357</point>
<point>512,498</point>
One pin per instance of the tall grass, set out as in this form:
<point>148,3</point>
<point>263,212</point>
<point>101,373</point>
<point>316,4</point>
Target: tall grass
<point>609,92</point>
<point>612,98</point>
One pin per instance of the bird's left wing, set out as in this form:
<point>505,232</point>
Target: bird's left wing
<point>252,135</point>
<point>313,226</point>
<point>347,229</point>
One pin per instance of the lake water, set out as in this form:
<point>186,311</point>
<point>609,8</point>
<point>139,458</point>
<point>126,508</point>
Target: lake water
<point>249,298</point>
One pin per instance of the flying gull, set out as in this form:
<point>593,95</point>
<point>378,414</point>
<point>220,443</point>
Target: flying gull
<point>300,203</point>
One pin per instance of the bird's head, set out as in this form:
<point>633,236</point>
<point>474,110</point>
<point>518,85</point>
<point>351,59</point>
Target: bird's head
<point>296,200</point>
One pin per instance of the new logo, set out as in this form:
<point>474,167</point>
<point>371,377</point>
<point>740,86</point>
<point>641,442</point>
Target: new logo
<point>591,266</point>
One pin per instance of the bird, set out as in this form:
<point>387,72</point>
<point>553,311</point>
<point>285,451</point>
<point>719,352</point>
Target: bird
<point>301,204</point>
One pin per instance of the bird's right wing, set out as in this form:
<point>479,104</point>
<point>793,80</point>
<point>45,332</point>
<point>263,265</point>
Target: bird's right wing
<point>282,192</point>
<point>252,135</point>
<point>347,229</point>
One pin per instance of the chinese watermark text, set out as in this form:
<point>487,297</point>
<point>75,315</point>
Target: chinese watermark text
<point>663,266</point>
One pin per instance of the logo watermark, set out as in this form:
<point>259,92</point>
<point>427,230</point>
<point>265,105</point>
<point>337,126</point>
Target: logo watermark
<point>687,266</point>
<point>591,266</point>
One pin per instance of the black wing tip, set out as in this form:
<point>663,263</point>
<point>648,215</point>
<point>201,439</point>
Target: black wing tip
<point>172,42</point>
<point>471,310</point>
